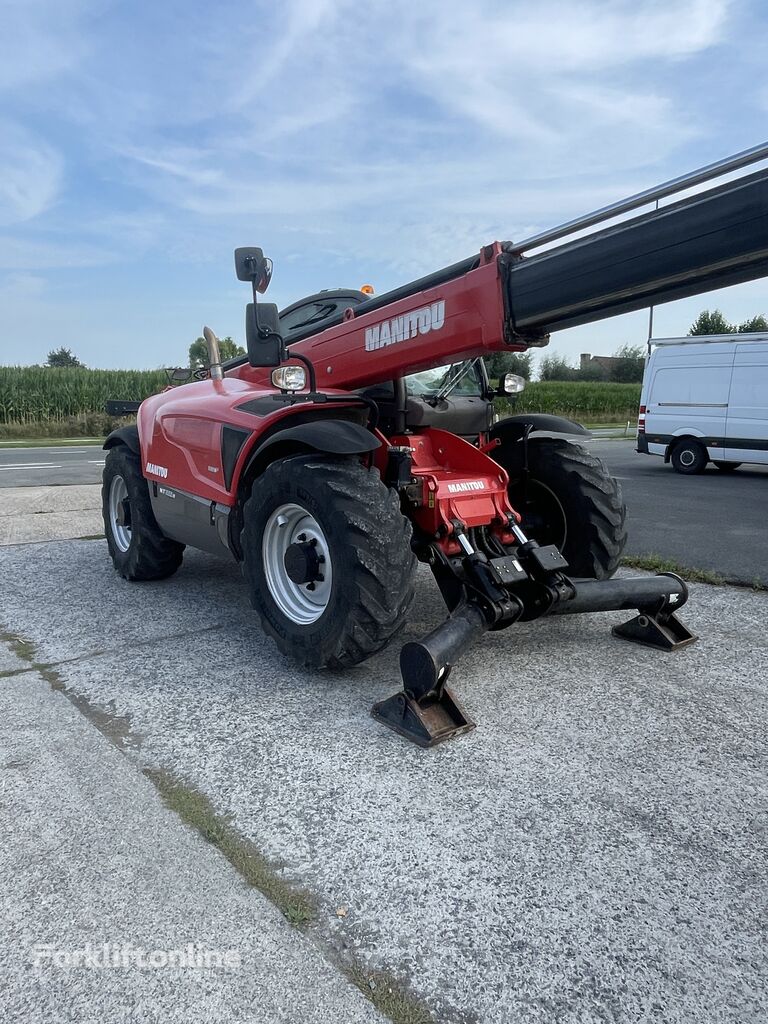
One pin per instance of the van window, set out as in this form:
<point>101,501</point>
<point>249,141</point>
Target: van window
<point>691,385</point>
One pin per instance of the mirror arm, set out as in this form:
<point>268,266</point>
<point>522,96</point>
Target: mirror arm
<point>310,369</point>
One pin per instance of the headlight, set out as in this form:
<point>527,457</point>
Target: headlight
<point>289,378</point>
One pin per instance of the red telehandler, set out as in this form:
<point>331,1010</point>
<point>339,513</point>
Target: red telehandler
<point>358,435</point>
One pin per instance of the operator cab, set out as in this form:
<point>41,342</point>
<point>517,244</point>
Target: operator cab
<point>453,397</point>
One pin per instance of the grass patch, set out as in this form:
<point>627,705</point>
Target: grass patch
<point>22,648</point>
<point>389,997</point>
<point>196,810</point>
<point>52,442</point>
<point>655,563</point>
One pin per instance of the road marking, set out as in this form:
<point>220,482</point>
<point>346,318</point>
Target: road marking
<point>29,465</point>
<point>95,462</point>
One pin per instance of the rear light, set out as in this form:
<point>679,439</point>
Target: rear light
<point>641,420</point>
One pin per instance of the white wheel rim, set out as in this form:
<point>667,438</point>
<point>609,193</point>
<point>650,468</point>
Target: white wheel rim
<point>118,493</point>
<point>302,603</point>
<point>687,457</point>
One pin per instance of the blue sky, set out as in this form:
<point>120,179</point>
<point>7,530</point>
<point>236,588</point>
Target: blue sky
<point>354,142</point>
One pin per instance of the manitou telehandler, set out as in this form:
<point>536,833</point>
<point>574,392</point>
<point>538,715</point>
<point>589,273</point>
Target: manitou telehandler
<point>358,435</point>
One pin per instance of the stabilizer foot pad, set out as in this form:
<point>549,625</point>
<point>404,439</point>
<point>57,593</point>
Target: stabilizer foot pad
<point>666,633</point>
<point>433,720</point>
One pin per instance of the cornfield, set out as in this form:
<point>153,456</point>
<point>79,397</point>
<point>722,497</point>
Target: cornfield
<point>590,402</point>
<point>35,394</point>
<point>46,395</point>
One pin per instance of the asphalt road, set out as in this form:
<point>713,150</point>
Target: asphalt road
<point>36,467</point>
<point>713,521</point>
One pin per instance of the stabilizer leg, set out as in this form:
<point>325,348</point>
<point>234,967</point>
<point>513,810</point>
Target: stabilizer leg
<point>425,711</point>
<point>665,632</point>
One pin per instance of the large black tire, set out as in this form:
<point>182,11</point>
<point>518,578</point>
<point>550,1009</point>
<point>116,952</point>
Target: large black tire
<point>689,456</point>
<point>355,523</point>
<point>570,500</point>
<point>138,548</point>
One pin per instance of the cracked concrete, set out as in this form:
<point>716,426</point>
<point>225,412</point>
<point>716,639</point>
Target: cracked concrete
<point>594,851</point>
<point>93,857</point>
<point>30,514</point>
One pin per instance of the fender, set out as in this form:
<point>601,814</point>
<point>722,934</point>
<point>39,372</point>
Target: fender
<point>331,436</point>
<point>508,432</point>
<point>336,437</point>
<point>129,436</point>
<point>512,428</point>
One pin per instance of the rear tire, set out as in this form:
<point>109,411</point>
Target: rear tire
<point>727,467</point>
<point>138,548</point>
<point>571,501</point>
<point>689,456</point>
<point>345,531</point>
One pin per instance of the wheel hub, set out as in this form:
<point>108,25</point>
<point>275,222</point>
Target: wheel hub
<point>302,562</point>
<point>297,563</point>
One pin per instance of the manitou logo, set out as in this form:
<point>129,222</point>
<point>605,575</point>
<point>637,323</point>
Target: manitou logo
<point>466,485</point>
<point>401,328</point>
<point>156,470</point>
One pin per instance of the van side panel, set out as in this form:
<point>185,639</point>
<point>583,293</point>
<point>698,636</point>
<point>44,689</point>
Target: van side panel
<point>686,395</point>
<point>747,423</point>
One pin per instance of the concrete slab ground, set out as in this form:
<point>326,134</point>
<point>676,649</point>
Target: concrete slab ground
<point>594,851</point>
<point>96,869</point>
<point>49,513</point>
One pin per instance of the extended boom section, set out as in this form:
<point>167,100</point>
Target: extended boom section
<point>503,300</point>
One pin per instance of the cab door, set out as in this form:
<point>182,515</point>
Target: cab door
<point>747,422</point>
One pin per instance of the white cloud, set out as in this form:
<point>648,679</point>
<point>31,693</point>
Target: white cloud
<point>31,174</point>
<point>41,39</point>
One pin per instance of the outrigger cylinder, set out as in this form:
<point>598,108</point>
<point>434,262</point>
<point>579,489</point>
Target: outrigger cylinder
<point>426,711</point>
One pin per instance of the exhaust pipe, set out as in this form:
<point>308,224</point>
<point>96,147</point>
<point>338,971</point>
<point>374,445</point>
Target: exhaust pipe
<point>215,370</point>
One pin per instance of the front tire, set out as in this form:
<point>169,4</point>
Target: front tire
<point>570,500</point>
<point>327,558</point>
<point>139,550</point>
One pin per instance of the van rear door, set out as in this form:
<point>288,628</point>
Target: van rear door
<point>747,422</point>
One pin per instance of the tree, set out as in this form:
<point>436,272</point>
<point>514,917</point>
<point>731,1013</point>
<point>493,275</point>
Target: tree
<point>757,323</point>
<point>62,357</point>
<point>629,365</point>
<point>557,368</point>
<point>198,352</point>
<point>508,362</point>
<point>711,322</point>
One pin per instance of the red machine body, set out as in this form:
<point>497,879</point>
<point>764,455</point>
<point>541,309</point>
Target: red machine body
<point>180,430</point>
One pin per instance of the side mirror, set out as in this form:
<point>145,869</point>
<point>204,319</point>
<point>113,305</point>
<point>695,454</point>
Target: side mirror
<point>252,265</point>
<point>178,374</point>
<point>511,384</point>
<point>263,338</point>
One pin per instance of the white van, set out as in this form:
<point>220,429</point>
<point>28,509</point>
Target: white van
<point>706,399</point>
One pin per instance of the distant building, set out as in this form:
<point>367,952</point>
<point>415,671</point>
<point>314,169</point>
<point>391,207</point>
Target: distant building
<point>602,364</point>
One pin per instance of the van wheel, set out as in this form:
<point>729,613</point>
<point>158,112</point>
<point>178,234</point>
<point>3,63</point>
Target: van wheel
<point>727,467</point>
<point>688,456</point>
